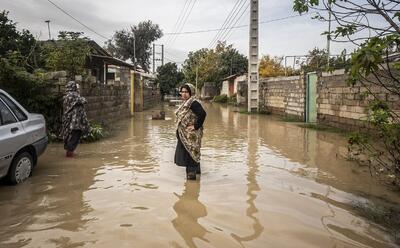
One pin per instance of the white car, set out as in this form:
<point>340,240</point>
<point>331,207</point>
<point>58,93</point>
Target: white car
<point>22,139</point>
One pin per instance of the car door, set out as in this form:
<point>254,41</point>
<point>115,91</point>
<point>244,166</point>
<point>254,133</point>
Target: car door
<point>11,137</point>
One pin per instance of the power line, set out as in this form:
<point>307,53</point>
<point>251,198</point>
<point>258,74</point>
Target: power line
<point>225,33</point>
<point>178,21</point>
<point>170,54</point>
<point>186,18</point>
<point>229,33</point>
<point>229,24</point>
<point>235,27</point>
<point>227,19</point>
<point>176,62</point>
<point>65,12</point>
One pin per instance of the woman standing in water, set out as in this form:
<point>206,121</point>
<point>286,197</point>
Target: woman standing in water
<point>74,121</point>
<point>190,117</point>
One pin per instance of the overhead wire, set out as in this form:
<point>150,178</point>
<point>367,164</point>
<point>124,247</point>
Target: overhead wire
<point>239,26</point>
<point>227,19</point>
<point>68,14</point>
<point>229,24</point>
<point>185,20</point>
<point>229,31</point>
<point>235,27</point>
<point>237,19</point>
<point>183,10</point>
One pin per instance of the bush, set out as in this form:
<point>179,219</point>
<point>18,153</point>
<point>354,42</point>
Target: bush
<point>96,133</point>
<point>380,149</point>
<point>221,98</point>
<point>232,99</point>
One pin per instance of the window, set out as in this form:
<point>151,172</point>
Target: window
<point>6,117</point>
<point>17,111</point>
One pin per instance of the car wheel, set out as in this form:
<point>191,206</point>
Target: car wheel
<point>21,168</point>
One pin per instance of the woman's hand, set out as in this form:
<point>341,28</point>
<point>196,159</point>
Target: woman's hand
<point>190,128</point>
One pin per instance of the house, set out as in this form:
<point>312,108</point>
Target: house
<point>230,84</point>
<point>106,69</point>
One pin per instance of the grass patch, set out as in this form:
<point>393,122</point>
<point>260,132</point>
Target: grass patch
<point>289,118</point>
<point>320,127</point>
<point>253,113</point>
<point>221,98</point>
<point>232,99</point>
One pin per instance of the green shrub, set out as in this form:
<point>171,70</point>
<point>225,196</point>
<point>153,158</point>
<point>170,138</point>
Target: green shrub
<point>221,98</point>
<point>232,99</point>
<point>96,133</point>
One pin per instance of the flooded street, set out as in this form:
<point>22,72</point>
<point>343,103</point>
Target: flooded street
<point>264,183</point>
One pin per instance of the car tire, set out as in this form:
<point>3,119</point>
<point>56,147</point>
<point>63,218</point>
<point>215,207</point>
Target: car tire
<point>21,168</point>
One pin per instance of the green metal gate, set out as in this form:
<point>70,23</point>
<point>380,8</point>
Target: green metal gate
<point>311,97</point>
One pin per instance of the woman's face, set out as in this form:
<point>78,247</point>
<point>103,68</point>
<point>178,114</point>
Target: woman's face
<point>184,94</point>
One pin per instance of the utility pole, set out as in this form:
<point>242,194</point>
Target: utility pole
<point>158,55</point>
<point>162,54</point>
<point>154,57</point>
<point>253,80</point>
<point>48,27</point>
<point>134,51</point>
<point>328,38</point>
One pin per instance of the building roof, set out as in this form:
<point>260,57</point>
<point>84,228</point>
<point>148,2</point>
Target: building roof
<point>230,77</point>
<point>113,61</point>
<point>97,51</point>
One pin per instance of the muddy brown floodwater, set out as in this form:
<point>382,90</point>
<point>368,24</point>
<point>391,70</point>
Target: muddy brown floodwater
<point>265,183</point>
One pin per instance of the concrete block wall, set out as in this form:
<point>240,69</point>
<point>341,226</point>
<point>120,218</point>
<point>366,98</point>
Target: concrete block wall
<point>345,106</point>
<point>151,97</point>
<point>283,95</point>
<point>338,104</point>
<point>106,103</point>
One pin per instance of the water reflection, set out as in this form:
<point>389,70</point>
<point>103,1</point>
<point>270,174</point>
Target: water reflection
<point>47,204</point>
<point>189,209</point>
<point>252,185</point>
<point>265,183</point>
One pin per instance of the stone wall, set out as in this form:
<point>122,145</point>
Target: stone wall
<point>283,96</point>
<point>106,103</point>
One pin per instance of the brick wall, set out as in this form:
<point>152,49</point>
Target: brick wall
<point>283,95</point>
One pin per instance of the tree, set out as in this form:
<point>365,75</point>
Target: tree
<point>192,63</point>
<point>371,65</point>
<point>168,78</point>
<point>212,65</point>
<point>18,75</point>
<point>21,44</point>
<point>68,53</point>
<point>139,37</point>
<point>317,60</point>
<point>271,67</point>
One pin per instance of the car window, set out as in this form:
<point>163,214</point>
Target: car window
<point>6,117</point>
<point>17,111</point>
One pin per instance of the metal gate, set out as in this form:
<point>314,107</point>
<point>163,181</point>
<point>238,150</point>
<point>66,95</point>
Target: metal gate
<point>311,97</point>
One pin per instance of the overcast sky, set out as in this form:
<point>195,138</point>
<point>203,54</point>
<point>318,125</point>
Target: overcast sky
<point>293,36</point>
